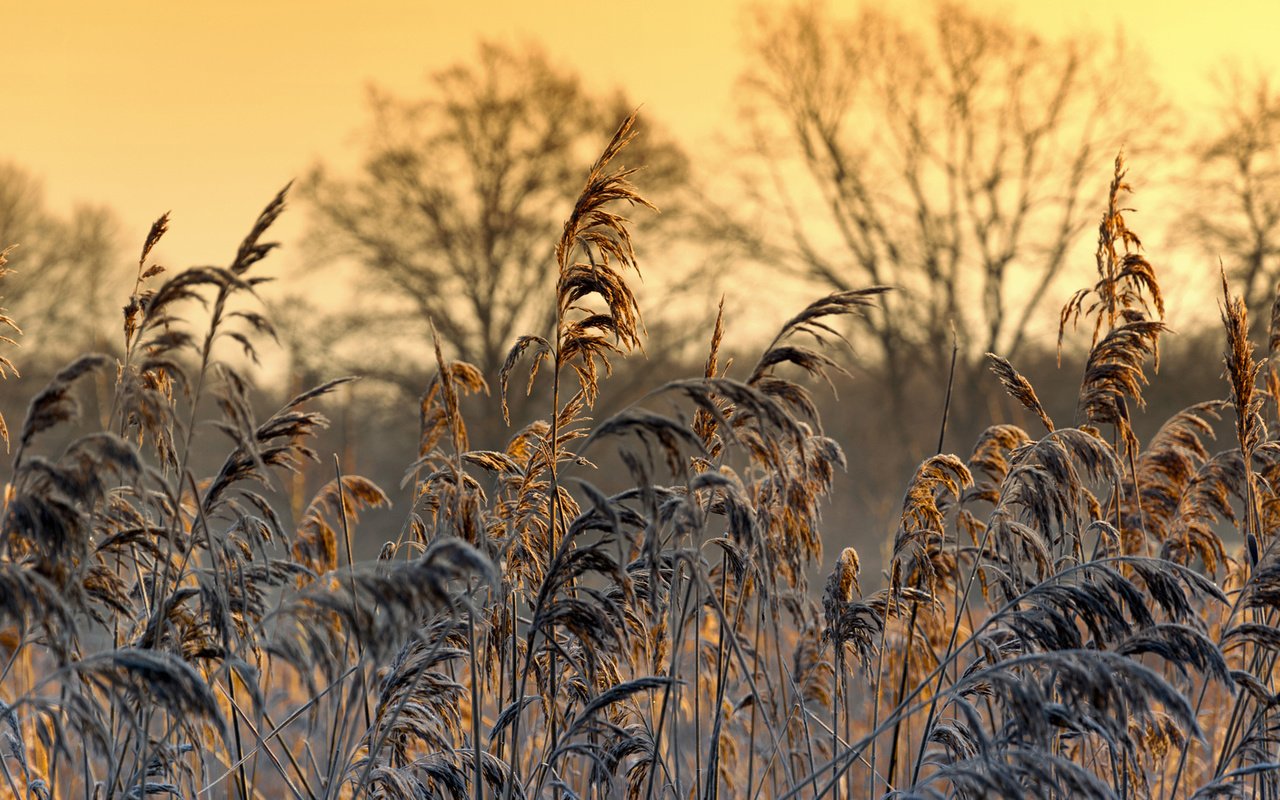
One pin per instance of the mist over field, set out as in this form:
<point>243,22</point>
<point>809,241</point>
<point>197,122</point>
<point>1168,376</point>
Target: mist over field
<point>780,400</point>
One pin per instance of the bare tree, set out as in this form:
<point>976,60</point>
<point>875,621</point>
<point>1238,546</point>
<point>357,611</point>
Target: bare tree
<point>959,161</point>
<point>68,270</point>
<point>1236,183</point>
<point>462,193</point>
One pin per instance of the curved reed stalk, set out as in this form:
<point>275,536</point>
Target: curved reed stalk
<point>1058,617</point>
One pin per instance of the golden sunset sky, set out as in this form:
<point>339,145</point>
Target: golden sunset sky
<point>206,108</point>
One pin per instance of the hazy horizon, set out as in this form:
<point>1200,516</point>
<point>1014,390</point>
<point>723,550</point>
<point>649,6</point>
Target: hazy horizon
<point>207,112</point>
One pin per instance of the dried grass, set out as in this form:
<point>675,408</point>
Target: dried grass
<point>1062,615</point>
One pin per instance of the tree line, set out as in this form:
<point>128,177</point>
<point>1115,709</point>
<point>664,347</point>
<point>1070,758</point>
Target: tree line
<point>960,160</point>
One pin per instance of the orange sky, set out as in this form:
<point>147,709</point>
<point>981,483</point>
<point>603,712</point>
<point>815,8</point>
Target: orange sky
<point>207,108</point>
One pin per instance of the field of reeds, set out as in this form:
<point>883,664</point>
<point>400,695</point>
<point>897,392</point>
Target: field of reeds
<point>1067,611</point>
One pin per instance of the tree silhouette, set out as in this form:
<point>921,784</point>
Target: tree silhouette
<point>66,269</point>
<point>958,161</point>
<point>462,193</point>
<point>1236,187</point>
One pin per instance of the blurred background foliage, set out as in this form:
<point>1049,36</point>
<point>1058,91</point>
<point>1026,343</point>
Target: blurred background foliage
<point>963,160</point>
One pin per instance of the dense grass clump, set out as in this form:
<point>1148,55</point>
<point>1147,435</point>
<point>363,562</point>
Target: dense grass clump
<point>1069,612</point>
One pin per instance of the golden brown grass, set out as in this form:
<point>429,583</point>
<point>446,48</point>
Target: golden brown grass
<point>1063,616</point>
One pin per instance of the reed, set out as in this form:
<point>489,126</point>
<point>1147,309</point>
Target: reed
<point>1064,613</point>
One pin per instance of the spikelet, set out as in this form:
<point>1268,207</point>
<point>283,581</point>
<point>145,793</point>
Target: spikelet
<point>1019,388</point>
<point>1127,289</point>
